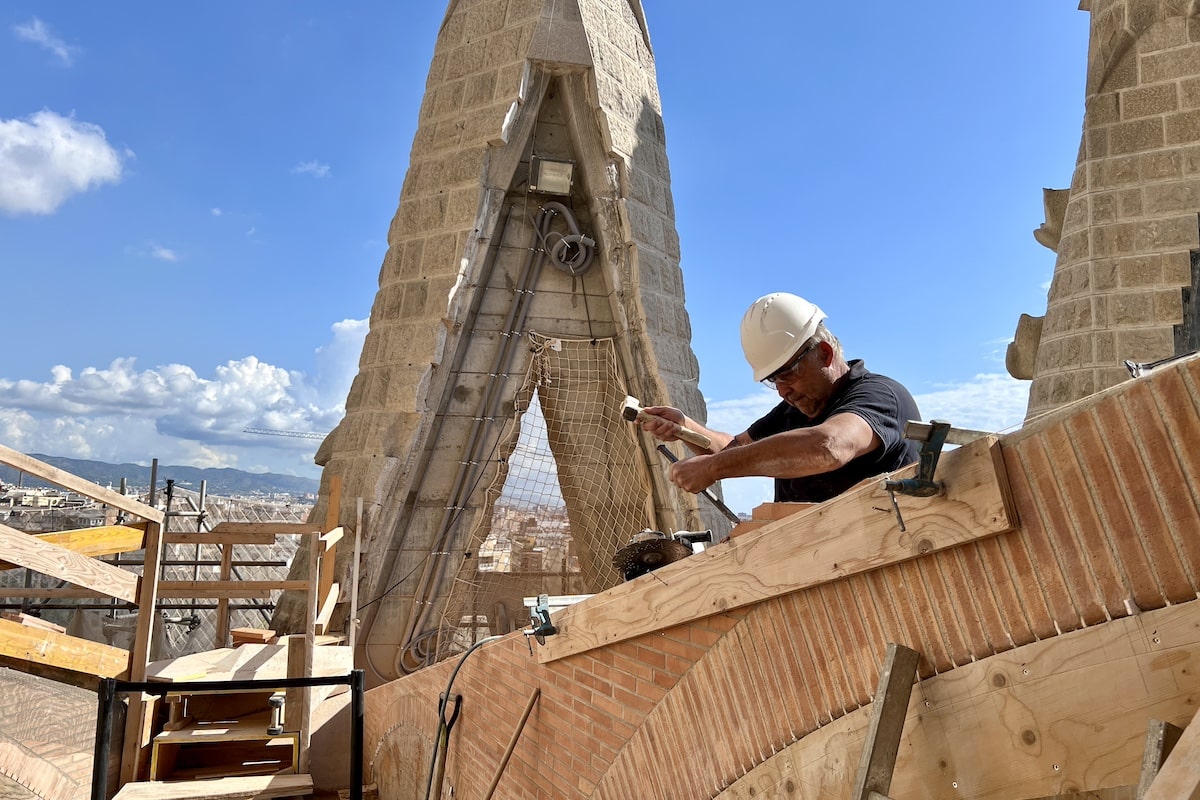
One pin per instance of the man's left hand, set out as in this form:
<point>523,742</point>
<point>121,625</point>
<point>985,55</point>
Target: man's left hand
<point>693,474</point>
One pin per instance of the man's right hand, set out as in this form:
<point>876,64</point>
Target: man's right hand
<point>666,421</point>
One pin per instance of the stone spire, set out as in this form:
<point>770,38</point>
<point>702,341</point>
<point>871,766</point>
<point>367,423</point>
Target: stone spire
<point>512,83</point>
<point>1127,279</point>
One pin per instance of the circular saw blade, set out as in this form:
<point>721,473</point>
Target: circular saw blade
<point>641,557</point>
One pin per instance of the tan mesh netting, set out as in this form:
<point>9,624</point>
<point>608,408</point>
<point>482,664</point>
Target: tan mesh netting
<point>570,492</point>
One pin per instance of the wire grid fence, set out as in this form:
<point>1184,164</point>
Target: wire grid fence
<point>571,489</point>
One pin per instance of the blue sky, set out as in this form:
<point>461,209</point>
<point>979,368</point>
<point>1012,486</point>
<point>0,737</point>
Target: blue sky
<point>193,206</point>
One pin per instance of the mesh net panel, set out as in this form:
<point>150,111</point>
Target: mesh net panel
<point>571,489</point>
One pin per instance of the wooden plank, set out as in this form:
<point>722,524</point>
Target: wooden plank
<point>221,538</point>
<point>136,743</point>
<point>882,743</point>
<point>221,635</point>
<point>329,540</point>
<point>91,542</point>
<point>31,621</point>
<point>231,730</point>
<point>253,635</point>
<point>51,653</point>
<point>250,787</point>
<point>1179,778</point>
<point>272,528</point>
<point>214,589</point>
<point>321,626</point>
<point>66,480</point>
<point>68,593</point>
<point>1161,738</point>
<point>850,534</point>
<point>49,559</point>
<point>329,547</point>
<point>249,662</point>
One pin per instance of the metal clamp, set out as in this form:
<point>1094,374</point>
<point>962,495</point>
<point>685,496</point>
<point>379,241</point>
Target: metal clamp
<point>540,620</point>
<point>932,438</point>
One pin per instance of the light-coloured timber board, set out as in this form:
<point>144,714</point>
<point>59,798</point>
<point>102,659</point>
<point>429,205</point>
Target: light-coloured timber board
<point>243,730</point>
<point>225,588</point>
<point>139,714</point>
<point>66,480</point>
<point>327,608</point>
<point>271,528</point>
<point>248,662</point>
<point>852,533</point>
<point>50,650</point>
<point>255,635</point>
<point>251,787</point>
<point>31,621</point>
<point>49,559</point>
<point>1064,714</point>
<point>1179,777</point>
<point>769,512</point>
<point>91,542</point>
<point>67,593</point>
<point>220,537</point>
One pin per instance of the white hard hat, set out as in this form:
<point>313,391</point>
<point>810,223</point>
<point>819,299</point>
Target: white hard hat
<point>774,328</point>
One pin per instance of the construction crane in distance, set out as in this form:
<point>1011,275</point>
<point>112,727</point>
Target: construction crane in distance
<point>292,434</point>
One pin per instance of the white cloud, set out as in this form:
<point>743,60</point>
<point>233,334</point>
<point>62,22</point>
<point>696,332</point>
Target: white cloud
<point>39,33</point>
<point>162,253</point>
<point>317,170</point>
<point>121,413</point>
<point>990,402</point>
<point>216,212</point>
<point>47,158</point>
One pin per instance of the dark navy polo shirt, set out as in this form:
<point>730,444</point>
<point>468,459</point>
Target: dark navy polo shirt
<point>883,403</point>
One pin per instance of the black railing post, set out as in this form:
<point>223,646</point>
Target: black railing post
<point>104,711</point>
<point>356,734</point>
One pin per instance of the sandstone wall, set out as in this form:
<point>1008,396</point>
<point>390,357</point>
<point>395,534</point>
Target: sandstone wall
<point>1126,233</point>
<point>509,79</point>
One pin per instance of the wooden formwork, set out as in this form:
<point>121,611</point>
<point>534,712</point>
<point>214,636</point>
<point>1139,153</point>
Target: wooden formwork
<point>1049,592</point>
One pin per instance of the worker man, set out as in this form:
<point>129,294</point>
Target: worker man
<point>836,424</point>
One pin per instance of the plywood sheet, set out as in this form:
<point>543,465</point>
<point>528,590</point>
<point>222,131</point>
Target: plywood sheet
<point>853,533</point>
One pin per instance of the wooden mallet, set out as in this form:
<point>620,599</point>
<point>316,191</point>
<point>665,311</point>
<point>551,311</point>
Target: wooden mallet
<point>632,411</point>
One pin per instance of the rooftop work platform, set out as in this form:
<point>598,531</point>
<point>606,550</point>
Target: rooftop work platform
<point>1049,592</point>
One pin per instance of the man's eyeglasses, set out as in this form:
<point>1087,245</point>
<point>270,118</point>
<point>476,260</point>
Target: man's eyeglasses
<point>788,370</point>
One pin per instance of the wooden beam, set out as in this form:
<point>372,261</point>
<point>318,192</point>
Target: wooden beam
<point>326,612</point>
<point>221,537</point>
<point>27,551</point>
<point>853,533</point>
<point>329,541</point>
<point>91,542</point>
<point>60,656</point>
<point>273,528</point>
<point>1161,738</point>
<point>31,621</point>
<point>882,743</point>
<point>66,480</point>
<point>137,719</point>
<point>255,787</point>
<point>218,589</point>
<point>68,593</point>
<point>221,635</point>
<point>1179,778</point>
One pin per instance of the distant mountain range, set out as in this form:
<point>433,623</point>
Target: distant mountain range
<point>224,482</point>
